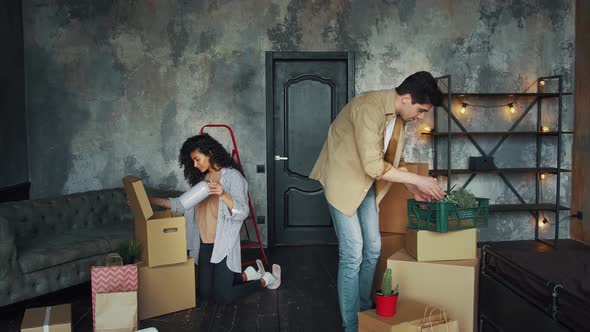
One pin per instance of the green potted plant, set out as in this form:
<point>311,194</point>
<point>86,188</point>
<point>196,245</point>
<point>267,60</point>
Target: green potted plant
<point>129,251</point>
<point>386,298</point>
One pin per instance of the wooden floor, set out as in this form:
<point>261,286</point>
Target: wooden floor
<point>306,301</point>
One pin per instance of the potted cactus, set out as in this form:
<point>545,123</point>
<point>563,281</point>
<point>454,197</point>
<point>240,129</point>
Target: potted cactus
<point>386,298</point>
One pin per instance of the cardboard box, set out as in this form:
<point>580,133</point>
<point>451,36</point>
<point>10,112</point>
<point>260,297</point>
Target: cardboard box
<point>162,234</point>
<point>406,311</point>
<point>449,284</point>
<point>393,208</point>
<point>434,246</point>
<point>390,244</point>
<point>58,319</point>
<point>166,289</point>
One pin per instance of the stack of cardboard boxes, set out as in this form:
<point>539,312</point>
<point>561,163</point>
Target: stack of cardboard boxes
<point>166,275</point>
<point>393,221</point>
<point>431,268</point>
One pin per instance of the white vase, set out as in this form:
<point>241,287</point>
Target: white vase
<point>195,195</point>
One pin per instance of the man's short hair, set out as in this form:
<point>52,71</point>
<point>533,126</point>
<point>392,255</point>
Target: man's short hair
<point>422,87</point>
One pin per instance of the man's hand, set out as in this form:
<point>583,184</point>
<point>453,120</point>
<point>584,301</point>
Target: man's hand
<point>429,187</point>
<point>418,195</point>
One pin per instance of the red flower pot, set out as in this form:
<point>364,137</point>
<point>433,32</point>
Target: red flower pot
<point>386,305</point>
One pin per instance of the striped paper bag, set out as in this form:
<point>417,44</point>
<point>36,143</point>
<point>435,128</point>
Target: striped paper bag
<point>111,278</point>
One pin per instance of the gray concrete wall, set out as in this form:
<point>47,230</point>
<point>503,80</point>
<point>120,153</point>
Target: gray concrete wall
<point>114,87</point>
<point>13,126</point>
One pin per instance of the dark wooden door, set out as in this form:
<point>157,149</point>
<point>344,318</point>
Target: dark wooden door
<point>305,92</point>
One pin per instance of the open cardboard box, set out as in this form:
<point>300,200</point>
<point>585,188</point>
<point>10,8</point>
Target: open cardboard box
<point>162,234</point>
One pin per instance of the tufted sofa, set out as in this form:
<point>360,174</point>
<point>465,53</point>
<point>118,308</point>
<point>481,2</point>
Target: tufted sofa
<point>50,244</point>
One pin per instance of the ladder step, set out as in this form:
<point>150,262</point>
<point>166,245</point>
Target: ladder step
<point>249,244</point>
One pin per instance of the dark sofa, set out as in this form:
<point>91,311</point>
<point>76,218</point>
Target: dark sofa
<point>50,244</point>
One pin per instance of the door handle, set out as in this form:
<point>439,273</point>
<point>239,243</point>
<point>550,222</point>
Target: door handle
<point>277,158</point>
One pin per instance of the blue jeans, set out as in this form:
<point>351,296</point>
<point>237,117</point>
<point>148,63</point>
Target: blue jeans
<point>359,247</point>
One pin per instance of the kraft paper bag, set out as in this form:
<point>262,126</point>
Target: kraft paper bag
<point>116,312</point>
<point>113,277</point>
<point>435,322</point>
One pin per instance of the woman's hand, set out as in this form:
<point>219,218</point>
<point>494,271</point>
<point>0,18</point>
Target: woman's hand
<point>216,189</point>
<point>163,202</point>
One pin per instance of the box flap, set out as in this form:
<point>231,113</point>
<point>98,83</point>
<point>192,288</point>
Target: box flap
<point>138,199</point>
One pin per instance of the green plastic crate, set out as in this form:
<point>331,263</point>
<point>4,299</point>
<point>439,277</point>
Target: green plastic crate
<point>444,217</point>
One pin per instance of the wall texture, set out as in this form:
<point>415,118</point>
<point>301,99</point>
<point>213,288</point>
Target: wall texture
<point>13,127</point>
<point>114,87</point>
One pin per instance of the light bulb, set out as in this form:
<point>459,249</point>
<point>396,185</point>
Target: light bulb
<point>545,129</point>
<point>427,129</point>
<point>512,109</point>
<point>542,83</point>
<point>542,176</point>
<point>463,108</point>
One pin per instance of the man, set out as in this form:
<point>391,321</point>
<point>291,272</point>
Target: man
<point>364,144</point>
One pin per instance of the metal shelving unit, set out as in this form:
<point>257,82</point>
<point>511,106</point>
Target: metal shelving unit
<point>536,207</point>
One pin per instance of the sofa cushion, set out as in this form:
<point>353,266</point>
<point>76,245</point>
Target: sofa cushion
<point>44,252</point>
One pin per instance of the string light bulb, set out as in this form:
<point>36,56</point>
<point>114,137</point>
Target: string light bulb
<point>427,129</point>
<point>542,176</point>
<point>463,108</point>
<point>542,82</point>
<point>512,109</point>
<point>544,129</point>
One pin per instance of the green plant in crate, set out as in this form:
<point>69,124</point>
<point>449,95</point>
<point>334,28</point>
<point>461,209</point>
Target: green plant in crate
<point>461,197</point>
<point>129,251</point>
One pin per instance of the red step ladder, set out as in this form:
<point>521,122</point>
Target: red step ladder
<point>252,215</point>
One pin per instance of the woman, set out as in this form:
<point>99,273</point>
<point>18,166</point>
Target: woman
<point>213,225</point>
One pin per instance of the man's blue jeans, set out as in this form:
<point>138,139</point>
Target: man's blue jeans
<point>359,247</point>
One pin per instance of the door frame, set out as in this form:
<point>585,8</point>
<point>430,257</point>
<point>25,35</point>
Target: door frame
<point>270,58</point>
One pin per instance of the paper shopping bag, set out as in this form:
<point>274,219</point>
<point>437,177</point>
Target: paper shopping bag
<point>116,312</point>
<point>113,277</point>
<point>435,322</point>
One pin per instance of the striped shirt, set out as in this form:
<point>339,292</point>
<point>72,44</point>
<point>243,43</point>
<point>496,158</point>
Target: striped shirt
<point>229,222</point>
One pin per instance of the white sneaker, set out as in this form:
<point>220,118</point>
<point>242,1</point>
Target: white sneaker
<point>260,266</point>
<point>269,278</point>
<point>276,273</point>
<point>252,274</point>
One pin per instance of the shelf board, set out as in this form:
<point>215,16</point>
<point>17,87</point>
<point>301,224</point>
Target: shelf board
<point>491,133</point>
<point>499,170</point>
<point>525,207</point>
<point>508,94</point>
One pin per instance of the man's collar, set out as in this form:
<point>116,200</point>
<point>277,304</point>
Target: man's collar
<point>390,102</point>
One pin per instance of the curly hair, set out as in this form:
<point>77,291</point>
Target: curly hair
<point>208,146</point>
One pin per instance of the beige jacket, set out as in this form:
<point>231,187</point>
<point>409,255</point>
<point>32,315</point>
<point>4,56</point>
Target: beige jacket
<point>352,156</point>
